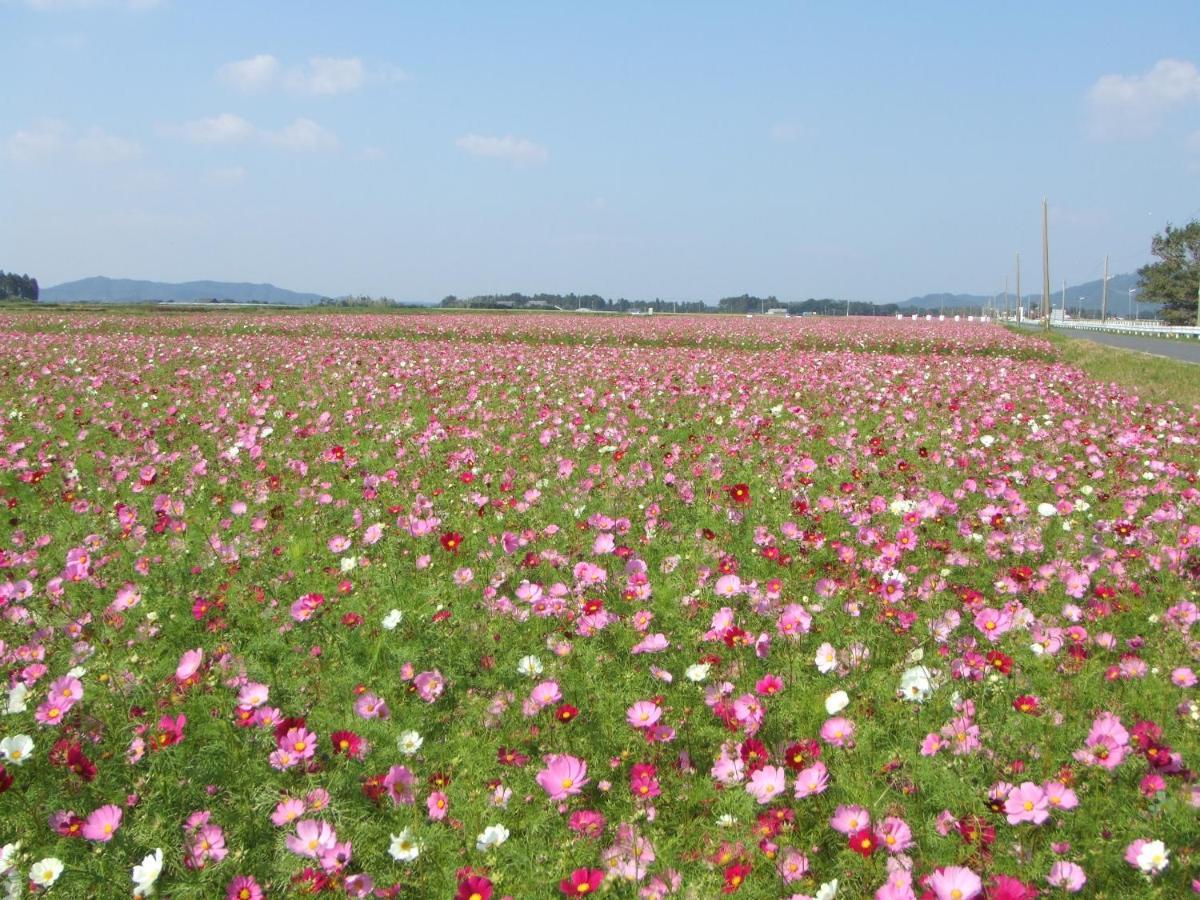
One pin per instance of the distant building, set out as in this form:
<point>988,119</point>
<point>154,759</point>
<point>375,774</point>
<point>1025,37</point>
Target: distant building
<point>777,311</point>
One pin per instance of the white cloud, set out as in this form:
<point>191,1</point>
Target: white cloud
<point>1134,105</point>
<point>321,76</point>
<point>50,137</point>
<point>372,153</point>
<point>325,76</point>
<point>302,134</point>
<point>512,149</point>
<point>223,129</point>
<point>97,146</point>
<point>37,143</point>
<point>252,74</point>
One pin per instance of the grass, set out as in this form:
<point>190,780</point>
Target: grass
<point>1153,378</point>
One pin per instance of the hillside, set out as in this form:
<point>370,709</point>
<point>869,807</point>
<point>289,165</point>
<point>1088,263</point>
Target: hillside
<point>1118,296</point>
<point>125,290</point>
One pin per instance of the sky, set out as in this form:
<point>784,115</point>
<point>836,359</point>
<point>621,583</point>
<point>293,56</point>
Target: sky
<point>682,150</point>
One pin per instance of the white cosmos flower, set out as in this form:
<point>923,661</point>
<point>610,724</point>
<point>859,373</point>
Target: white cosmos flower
<point>697,672</point>
<point>349,563</point>
<point>727,821</point>
<point>916,684</point>
<point>392,619</point>
<point>492,836</point>
<point>836,702</point>
<point>410,742</point>
<point>826,659</point>
<point>46,871</point>
<point>530,666</point>
<point>8,855</point>
<point>16,749</point>
<point>1153,857</point>
<point>404,847</point>
<point>1046,510</point>
<point>16,699</point>
<point>987,440</point>
<point>827,891</point>
<point>146,873</point>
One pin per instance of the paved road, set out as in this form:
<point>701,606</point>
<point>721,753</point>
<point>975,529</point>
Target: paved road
<point>1187,350</point>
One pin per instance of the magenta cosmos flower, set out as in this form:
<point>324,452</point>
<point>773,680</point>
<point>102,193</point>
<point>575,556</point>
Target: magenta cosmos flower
<point>563,776</point>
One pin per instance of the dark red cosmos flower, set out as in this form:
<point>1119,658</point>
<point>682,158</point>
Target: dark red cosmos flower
<point>352,619</point>
<point>439,780</point>
<point>974,830</point>
<point>6,780</point>
<point>347,742</point>
<point>863,842</point>
<point>1001,662</point>
<point>474,887</point>
<point>374,788</point>
<point>509,757</point>
<point>70,826</point>
<point>582,882</point>
<point>739,493</point>
<point>337,451</point>
<point>451,540</point>
<point>735,637</point>
<point>754,754</point>
<point>310,881</point>
<point>801,755</point>
<point>1028,704</point>
<point>735,876</point>
<point>566,712</point>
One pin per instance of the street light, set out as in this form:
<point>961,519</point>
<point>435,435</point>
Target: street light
<point>1081,299</point>
<point>1131,293</point>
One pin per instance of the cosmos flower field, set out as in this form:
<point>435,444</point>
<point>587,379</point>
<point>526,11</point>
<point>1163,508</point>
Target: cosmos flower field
<point>482,606</point>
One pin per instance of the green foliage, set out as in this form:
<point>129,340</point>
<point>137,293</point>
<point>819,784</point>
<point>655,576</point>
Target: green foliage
<point>1174,281</point>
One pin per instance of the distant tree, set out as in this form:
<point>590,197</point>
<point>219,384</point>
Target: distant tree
<point>1174,281</point>
<point>18,287</point>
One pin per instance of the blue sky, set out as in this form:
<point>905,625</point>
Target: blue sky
<point>680,150</point>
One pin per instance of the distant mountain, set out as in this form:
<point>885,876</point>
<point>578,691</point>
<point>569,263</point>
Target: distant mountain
<point>1090,291</point>
<point>125,290</point>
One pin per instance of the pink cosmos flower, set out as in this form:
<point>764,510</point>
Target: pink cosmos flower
<point>1067,875</point>
<point>398,783</point>
<point>837,732</point>
<point>253,695</point>
<point>955,883</point>
<point>243,887</point>
<point>1059,796</point>
<point>894,834</point>
<point>545,693</point>
<point>437,804</point>
<point>811,780</point>
<point>102,823</point>
<point>299,742</point>
<point>311,837</point>
<point>792,865</point>
<point>287,811</point>
<point>563,776</point>
<point>1027,803</point>
<point>767,783</point>
<point>654,643</point>
<point>643,714</point>
<point>189,663</point>
<point>370,706</point>
<point>849,819</point>
<point>769,685</point>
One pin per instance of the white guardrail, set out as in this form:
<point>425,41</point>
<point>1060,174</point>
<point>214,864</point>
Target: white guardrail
<point>1113,326</point>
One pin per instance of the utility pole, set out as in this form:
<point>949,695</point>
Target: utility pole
<point>1045,266</point>
<point>1020,303</point>
<point>1064,300</point>
<point>1006,295</point>
<point>1104,295</point>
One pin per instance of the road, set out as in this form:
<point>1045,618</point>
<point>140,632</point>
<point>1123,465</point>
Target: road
<point>1184,350</point>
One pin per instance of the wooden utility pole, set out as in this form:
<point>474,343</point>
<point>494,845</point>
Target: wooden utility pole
<point>1020,303</point>
<point>1045,267</point>
<point>1104,294</point>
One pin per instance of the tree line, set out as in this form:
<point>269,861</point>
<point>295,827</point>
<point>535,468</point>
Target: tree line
<point>746,303</point>
<point>18,287</point>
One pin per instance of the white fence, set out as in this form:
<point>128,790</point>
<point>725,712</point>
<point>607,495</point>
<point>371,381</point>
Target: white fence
<point>1126,326</point>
